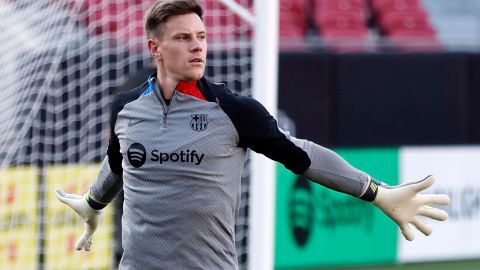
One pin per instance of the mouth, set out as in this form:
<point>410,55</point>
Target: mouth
<point>196,60</point>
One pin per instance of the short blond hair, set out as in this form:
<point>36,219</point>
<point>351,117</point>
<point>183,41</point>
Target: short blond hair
<point>158,14</point>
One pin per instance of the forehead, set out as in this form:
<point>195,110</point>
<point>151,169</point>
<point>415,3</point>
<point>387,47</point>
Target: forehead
<point>188,23</point>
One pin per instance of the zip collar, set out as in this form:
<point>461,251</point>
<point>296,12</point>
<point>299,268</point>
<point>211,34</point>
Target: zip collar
<point>187,88</point>
<point>194,88</point>
<point>153,84</point>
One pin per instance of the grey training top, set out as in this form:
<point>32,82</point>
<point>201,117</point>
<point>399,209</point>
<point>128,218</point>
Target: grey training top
<point>180,167</point>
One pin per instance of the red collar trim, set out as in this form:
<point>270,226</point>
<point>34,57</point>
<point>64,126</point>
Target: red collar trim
<point>191,89</point>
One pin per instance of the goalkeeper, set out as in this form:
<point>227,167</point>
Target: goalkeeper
<point>177,148</point>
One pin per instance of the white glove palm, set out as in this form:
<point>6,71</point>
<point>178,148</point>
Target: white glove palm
<point>404,204</point>
<point>91,217</point>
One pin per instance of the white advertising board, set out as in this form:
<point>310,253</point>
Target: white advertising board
<point>457,171</point>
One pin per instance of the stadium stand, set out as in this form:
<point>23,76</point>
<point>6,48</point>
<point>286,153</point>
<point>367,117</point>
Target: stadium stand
<point>415,21</point>
<point>356,25</point>
<point>356,6</point>
<point>406,24</point>
<point>218,15</point>
<point>395,5</point>
<point>113,17</point>
<point>410,25</point>
<point>342,24</point>
<point>293,19</point>
<point>293,25</point>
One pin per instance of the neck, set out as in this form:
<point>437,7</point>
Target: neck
<point>167,85</point>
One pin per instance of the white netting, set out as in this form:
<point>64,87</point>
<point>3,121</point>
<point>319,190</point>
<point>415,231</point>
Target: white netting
<point>61,63</point>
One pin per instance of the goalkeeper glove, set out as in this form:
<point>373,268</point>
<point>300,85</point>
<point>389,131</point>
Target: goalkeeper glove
<point>404,204</point>
<point>91,217</point>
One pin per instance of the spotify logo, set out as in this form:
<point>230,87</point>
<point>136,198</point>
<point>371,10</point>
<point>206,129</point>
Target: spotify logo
<point>136,155</point>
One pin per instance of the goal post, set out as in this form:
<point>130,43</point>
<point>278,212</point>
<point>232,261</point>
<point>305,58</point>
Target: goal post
<point>261,220</point>
<point>264,89</point>
<point>262,182</point>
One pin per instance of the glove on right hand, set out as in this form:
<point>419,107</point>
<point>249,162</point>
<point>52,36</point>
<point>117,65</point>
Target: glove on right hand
<point>91,217</point>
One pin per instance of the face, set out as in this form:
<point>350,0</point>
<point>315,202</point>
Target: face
<point>181,50</point>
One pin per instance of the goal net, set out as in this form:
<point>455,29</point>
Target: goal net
<point>61,63</point>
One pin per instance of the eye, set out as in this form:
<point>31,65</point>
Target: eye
<point>181,37</point>
<point>202,37</point>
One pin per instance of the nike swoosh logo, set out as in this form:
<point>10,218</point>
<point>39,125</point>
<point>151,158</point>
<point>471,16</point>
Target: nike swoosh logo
<point>134,122</point>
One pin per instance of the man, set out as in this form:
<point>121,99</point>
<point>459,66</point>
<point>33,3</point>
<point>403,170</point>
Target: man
<point>177,148</point>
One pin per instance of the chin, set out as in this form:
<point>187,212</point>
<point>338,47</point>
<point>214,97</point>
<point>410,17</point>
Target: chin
<point>194,77</point>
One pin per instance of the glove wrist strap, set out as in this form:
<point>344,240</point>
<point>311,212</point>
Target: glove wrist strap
<point>94,204</point>
<point>371,192</point>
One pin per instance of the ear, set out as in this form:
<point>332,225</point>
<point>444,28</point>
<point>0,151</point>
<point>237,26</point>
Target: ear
<point>153,47</point>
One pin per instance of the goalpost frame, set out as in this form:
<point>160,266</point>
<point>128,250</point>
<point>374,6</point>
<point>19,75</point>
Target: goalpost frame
<point>261,240</point>
<point>261,235</point>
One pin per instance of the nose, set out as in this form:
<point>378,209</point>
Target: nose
<point>197,45</point>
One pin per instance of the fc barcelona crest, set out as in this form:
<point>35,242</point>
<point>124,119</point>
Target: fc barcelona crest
<point>199,122</point>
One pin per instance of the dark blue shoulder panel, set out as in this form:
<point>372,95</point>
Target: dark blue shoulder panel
<point>257,129</point>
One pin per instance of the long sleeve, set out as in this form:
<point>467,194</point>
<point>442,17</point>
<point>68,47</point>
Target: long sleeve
<point>106,186</point>
<point>109,181</point>
<point>259,131</point>
<point>329,169</point>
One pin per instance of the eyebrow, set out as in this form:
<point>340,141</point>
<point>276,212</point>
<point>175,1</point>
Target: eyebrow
<point>189,33</point>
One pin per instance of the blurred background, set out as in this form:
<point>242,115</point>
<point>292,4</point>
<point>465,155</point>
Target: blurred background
<point>393,86</point>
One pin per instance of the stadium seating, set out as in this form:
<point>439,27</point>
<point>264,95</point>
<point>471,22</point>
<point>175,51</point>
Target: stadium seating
<point>342,24</point>
<point>122,19</point>
<point>293,19</point>
<point>390,22</point>
<point>353,21</point>
<point>395,5</point>
<point>293,25</point>
<point>107,16</point>
<point>218,15</point>
<point>406,24</point>
<point>356,6</point>
<point>339,14</point>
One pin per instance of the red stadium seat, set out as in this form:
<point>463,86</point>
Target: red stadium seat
<point>121,20</point>
<point>408,20</point>
<point>343,31</point>
<point>340,5</point>
<point>395,5</point>
<point>410,30</point>
<point>340,21</point>
<point>406,24</point>
<point>293,19</point>
<point>222,24</point>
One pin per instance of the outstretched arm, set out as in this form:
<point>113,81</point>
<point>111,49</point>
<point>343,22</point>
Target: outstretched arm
<point>403,204</point>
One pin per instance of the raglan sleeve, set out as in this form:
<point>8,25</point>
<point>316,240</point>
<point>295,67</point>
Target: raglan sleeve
<point>258,130</point>
<point>109,181</point>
